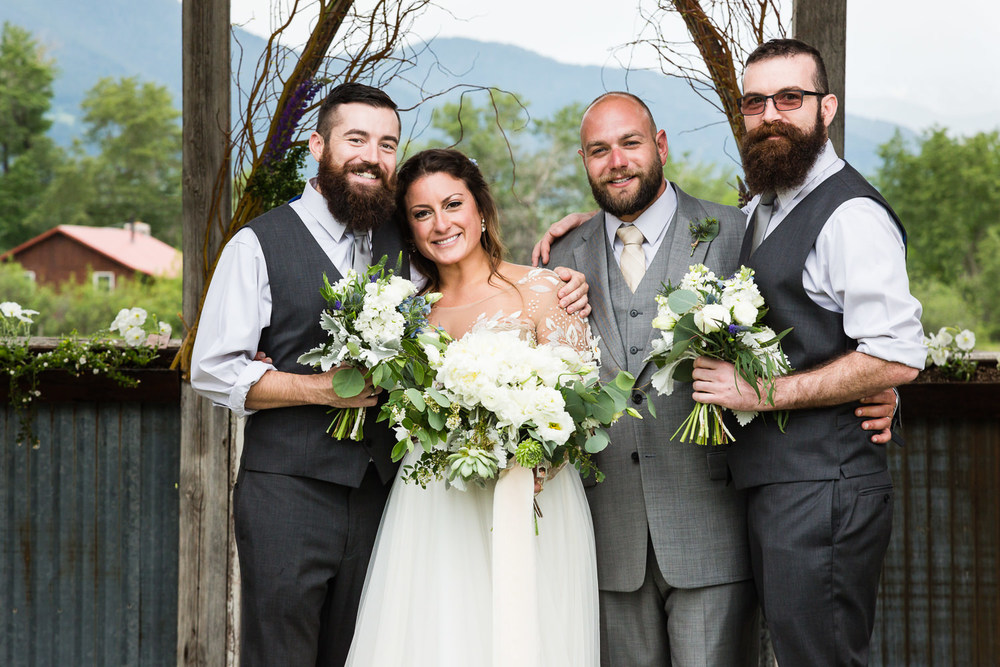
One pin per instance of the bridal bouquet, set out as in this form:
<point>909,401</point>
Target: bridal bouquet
<point>492,398</point>
<point>372,320</point>
<point>718,318</point>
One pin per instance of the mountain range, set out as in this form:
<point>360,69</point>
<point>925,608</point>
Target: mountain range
<point>120,38</point>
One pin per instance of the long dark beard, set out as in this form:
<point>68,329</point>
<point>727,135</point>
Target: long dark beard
<point>780,165</point>
<point>649,185</point>
<point>359,208</point>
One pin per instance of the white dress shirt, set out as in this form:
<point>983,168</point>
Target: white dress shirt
<point>858,267</point>
<point>652,223</point>
<point>237,306</point>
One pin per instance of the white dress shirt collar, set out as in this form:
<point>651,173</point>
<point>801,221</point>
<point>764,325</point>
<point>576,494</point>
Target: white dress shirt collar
<point>313,203</point>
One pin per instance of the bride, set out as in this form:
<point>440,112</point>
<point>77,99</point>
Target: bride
<point>440,590</point>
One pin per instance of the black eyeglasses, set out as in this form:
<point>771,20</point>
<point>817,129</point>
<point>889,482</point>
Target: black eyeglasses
<point>786,100</point>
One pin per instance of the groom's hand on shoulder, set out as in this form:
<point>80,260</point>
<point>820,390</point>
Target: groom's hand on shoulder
<point>573,295</point>
<point>541,250</point>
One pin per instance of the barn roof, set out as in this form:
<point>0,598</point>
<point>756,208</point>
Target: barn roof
<point>137,250</point>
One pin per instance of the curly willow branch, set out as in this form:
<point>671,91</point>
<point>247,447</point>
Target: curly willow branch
<point>383,30</point>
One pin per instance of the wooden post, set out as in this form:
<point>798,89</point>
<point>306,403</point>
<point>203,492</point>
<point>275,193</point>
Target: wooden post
<point>203,547</point>
<point>823,23</point>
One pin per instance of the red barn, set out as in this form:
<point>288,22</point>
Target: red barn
<point>110,253</point>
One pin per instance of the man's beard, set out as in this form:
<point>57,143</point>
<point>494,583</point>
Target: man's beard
<point>781,164</point>
<point>360,208</point>
<point>623,205</point>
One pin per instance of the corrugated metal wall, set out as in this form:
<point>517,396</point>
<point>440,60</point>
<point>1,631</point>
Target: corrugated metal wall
<point>89,521</point>
<point>938,603</point>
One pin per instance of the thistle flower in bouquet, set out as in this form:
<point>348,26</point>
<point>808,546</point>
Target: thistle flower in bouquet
<point>951,351</point>
<point>372,320</point>
<point>492,398</point>
<point>719,318</point>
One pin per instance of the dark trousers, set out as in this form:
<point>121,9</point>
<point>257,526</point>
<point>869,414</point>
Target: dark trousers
<point>304,547</point>
<point>817,550</point>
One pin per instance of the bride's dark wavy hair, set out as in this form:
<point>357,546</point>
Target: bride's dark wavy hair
<point>456,165</point>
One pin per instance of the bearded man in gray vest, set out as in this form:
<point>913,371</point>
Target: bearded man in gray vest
<point>829,256</point>
<point>306,507</point>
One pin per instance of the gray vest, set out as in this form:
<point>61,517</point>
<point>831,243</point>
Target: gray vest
<point>634,312</point>
<point>819,443</point>
<point>293,441</point>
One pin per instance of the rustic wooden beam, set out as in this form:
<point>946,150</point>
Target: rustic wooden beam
<point>204,631</point>
<point>823,23</point>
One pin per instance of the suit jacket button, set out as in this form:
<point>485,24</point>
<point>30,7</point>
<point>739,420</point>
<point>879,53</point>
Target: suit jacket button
<point>637,397</point>
<point>634,350</point>
<point>635,457</point>
<point>634,312</point>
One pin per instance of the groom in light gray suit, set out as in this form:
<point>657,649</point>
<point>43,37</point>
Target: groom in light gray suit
<point>673,565</point>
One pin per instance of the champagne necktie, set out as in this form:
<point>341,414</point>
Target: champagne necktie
<point>633,260</point>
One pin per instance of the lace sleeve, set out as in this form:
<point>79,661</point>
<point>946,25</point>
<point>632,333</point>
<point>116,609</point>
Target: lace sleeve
<point>553,325</point>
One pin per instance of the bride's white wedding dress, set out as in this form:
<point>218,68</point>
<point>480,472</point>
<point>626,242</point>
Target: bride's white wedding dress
<point>430,598</point>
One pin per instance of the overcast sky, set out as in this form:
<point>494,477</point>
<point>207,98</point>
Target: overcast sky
<point>908,61</point>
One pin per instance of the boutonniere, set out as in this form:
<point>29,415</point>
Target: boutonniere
<point>705,230</point>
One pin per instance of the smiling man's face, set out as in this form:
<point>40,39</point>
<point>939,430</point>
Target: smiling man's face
<point>624,155</point>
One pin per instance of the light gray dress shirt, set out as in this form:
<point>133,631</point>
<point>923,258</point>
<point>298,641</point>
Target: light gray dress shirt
<point>238,306</point>
<point>858,268</point>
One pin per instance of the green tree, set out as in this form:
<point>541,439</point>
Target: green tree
<point>137,172</point>
<point>86,309</point>
<point>25,93</point>
<point>944,189</point>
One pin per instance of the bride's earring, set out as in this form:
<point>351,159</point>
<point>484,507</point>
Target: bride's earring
<point>483,228</point>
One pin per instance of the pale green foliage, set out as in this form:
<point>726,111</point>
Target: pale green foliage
<point>703,180</point>
<point>25,93</point>
<point>945,191</point>
<point>137,174</point>
<point>86,309</point>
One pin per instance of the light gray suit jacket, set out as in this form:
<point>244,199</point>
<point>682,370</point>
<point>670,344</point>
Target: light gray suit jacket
<point>653,484</point>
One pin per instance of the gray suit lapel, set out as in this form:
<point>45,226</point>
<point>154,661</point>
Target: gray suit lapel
<point>675,252</point>
<point>591,257</point>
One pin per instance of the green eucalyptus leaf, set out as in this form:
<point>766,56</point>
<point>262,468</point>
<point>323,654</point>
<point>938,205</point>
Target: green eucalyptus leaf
<point>682,300</point>
<point>348,382</point>
<point>416,398</point>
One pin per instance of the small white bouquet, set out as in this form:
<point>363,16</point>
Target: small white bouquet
<point>491,398</point>
<point>951,350</point>
<point>369,318</point>
<point>718,318</point>
<point>131,324</point>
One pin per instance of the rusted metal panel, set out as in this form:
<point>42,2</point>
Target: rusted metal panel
<point>938,603</point>
<point>88,574</point>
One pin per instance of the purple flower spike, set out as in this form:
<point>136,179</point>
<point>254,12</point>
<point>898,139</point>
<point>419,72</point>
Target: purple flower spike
<point>733,328</point>
<point>372,278</point>
<point>338,305</point>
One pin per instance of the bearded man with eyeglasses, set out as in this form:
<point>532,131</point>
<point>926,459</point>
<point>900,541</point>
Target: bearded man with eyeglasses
<point>829,257</point>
